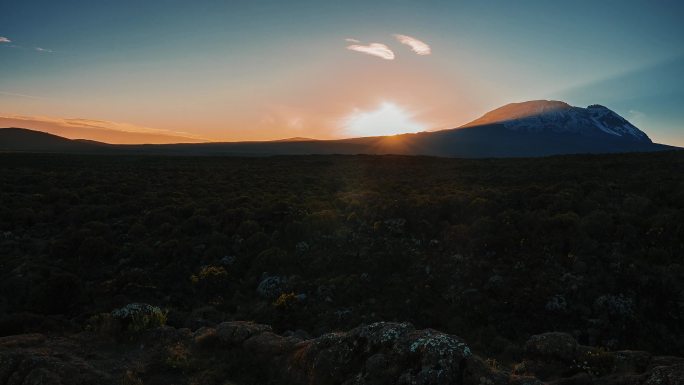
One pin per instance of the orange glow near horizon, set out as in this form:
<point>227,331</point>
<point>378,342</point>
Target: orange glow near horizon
<point>329,101</point>
<point>268,70</point>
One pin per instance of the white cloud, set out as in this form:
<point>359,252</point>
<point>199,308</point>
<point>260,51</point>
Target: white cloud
<point>375,49</point>
<point>351,40</point>
<point>417,46</point>
<point>4,40</point>
<point>43,50</point>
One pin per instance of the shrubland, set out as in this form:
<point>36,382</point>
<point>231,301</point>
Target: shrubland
<point>491,250</point>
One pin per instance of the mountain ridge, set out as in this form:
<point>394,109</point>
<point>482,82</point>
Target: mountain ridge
<point>537,115</point>
<point>526,129</point>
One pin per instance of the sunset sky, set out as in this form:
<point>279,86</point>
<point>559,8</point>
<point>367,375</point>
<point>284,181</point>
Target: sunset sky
<point>168,71</point>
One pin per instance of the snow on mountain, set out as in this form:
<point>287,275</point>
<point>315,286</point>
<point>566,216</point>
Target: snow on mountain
<point>560,117</point>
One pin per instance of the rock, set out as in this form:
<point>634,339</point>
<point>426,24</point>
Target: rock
<point>269,345</point>
<point>666,375</point>
<point>665,361</point>
<point>390,353</point>
<point>235,333</point>
<point>22,340</point>
<point>524,380</point>
<point>577,379</point>
<point>36,368</point>
<point>551,355</point>
<point>205,337</point>
<point>553,345</point>
<point>631,361</point>
<point>381,353</point>
<point>379,369</point>
<point>619,379</point>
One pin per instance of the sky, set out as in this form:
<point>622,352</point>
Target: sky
<point>159,71</point>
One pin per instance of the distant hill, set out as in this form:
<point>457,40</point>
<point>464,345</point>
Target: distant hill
<point>23,140</point>
<point>295,139</point>
<point>528,129</point>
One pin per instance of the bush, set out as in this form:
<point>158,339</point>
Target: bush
<point>210,276</point>
<point>285,301</point>
<point>136,317</point>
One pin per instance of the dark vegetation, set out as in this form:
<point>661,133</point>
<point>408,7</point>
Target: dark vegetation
<point>490,250</point>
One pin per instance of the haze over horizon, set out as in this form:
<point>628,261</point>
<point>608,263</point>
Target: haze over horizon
<point>170,71</point>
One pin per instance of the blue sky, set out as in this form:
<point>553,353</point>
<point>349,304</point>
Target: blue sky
<point>234,70</point>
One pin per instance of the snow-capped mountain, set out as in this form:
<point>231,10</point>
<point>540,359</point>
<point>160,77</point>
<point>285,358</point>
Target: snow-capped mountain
<point>534,128</point>
<point>538,116</point>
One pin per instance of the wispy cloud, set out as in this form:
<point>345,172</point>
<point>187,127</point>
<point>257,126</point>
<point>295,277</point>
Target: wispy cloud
<point>352,40</point>
<point>101,130</point>
<point>19,95</point>
<point>5,40</point>
<point>375,49</point>
<point>417,46</point>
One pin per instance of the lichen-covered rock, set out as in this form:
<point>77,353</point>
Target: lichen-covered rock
<point>235,333</point>
<point>391,353</point>
<point>383,353</point>
<point>666,375</point>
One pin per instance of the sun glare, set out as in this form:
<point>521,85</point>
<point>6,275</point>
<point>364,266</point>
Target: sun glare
<point>387,119</point>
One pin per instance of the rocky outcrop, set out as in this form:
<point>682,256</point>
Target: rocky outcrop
<point>380,353</point>
<point>558,359</point>
<point>375,354</point>
<point>28,360</point>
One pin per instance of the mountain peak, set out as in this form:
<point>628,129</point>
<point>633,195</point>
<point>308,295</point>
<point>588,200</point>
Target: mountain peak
<point>597,107</point>
<point>520,110</point>
<point>560,117</point>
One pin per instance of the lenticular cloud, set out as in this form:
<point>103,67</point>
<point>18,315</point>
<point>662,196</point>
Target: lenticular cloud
<point>375,49</point>
<point>417,46</point>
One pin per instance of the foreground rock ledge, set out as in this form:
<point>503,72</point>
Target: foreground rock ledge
<point>249,353</point>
